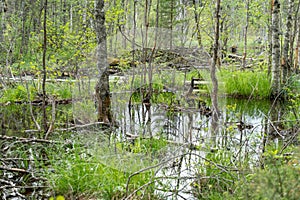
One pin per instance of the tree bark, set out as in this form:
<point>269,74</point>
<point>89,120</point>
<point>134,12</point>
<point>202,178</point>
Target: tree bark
<point>102,86</point>
<point>197,21</point>
<point>297,50</point>
<point>270,38</point>
<point>171,25</point>
<point>245,35</point>
<point>214,93</point>
<point>275,50</point>
<point>297,60</point>
<point>286,62</point>
<point>45,126</point>
<point>2,20</point>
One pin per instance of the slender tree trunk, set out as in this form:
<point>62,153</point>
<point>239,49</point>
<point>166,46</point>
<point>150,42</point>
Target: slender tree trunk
<point>270,38</point>
<point>45,126</point>
<point>2,22</point>
<point>297,49</point>
<point>64,11</point>
<point>245,34</point>
<point>197,21</point>
<point>133,42</point>
<point>293,34</point>
<point>286,62</point>
<point>71,17</point>
<point>102,87</point>
<point>171,25</point>
<point>157,22</point>
<point>297,58</point>
<point>275,49</point>
<point>214,93</point>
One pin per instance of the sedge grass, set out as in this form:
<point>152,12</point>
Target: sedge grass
<point>246,84</point>
<point>103,175</point>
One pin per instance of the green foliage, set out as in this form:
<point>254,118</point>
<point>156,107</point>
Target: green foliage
<point>280,179</point>
<point>148,146</point>
<point>214,179</point>
<point>246,84</point>
<point>292,93</point>
<point>18,93</point>
<point>60,90</point>
<point>77,173</point>
<point>168,10</point>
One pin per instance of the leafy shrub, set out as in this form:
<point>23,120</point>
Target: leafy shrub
<point>280,179</point>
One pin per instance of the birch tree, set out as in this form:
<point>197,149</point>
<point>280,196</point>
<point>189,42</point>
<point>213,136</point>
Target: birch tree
<point>102,86</point>
<point>275,49</point>
<point>286,62</point>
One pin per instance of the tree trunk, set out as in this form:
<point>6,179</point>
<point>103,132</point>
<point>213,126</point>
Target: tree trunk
<point>45,126</point>
<point>245,34</point>
<point>297,51</point>
<point>270,39</point>
<point>2,22</point>
<point>171,25</point>
<point>275,50</point>
<point>286,62</point>
<point>102,86</point>
<point>214,93</point>
<point>197,21</point>
<point>297,59</point>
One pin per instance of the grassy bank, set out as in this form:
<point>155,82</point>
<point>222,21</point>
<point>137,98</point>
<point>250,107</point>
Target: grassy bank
<point>246,84</point>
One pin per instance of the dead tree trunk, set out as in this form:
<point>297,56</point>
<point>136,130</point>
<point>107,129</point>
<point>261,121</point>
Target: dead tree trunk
<point>102,86</point>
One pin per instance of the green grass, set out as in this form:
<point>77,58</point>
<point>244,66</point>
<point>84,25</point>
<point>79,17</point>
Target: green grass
<point>101,174</point>
<point>19,91</point>
<point>246,84</point>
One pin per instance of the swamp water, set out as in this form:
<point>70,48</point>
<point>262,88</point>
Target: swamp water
<point>186,127</point>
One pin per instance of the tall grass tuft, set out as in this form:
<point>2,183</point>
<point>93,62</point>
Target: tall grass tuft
<point>78,174</point>
<point>246,84</point>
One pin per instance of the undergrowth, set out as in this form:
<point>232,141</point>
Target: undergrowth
<point>24,92</point>
<point>76,172</point>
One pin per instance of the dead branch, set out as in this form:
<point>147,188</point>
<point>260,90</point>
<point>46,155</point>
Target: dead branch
<point>14,169</point>
<point>149,168</point>
<point>50,129</point>
<point>28,140</point>
<point>84,126</point>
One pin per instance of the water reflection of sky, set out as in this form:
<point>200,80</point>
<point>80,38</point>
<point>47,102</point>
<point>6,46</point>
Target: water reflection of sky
<point>190,126</point>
